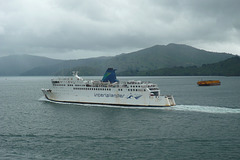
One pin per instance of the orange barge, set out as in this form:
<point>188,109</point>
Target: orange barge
<point>209,83</point>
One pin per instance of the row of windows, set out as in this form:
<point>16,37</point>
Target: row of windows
<point>102,89</point>
<point>107,89</point>
<point>59,85</point>
<point>136,86</point>
<point>136,89</point>
<point>79,85</point>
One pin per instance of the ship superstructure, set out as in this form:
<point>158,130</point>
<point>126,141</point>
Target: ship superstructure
<point>108,91</point>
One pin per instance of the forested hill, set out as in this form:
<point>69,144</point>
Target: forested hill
<point>161,56</point>
<point>156,57</point>
<point>148,59</point>
<point>229,67</point>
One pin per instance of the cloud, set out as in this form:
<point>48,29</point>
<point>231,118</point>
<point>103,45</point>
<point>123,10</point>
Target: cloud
<point>88,28</point>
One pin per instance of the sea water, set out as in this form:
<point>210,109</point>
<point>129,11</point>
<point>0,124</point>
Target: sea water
<point>203,125</point>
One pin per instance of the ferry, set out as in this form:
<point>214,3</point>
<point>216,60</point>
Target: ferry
<point>209,83</point>
<point>108,91</point>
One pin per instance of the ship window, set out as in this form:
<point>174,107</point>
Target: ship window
<point>55,81</point>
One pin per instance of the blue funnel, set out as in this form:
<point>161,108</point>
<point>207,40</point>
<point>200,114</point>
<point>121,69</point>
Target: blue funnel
<point>110,76</point>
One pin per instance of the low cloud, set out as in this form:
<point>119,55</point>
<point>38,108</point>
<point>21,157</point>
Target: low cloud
<point>90,28</point>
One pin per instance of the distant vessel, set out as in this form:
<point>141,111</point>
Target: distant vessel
<point>209,83</point>
<point>108,91</point>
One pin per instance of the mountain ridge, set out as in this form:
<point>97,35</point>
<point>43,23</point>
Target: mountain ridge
<point>155,57</point>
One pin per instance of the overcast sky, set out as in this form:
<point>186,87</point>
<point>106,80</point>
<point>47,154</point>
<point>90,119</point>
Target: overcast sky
<point>73,29</point>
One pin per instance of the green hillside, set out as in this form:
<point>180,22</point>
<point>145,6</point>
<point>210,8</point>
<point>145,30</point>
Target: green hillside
<point>229,67</point>
<point>156,57</point>
<point>161,56</point>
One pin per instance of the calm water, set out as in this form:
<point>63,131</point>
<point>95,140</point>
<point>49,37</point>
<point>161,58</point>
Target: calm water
<point>204,125</point>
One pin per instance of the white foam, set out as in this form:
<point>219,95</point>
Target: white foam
<point>206,109</point>
<point>43,99</point>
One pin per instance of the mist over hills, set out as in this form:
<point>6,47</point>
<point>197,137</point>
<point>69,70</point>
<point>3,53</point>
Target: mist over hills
<point>149,59</point>
<point>14,65</point>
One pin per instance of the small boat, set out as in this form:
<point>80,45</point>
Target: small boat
<point>209,83</point>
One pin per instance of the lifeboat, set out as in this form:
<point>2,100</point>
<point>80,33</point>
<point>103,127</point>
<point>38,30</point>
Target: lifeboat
<point>209,83</point>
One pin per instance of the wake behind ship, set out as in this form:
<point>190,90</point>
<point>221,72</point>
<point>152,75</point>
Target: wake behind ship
<point>108,91</point>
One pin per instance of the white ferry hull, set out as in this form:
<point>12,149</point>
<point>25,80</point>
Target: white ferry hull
<point>108,91</point>
<point>109,98</point>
